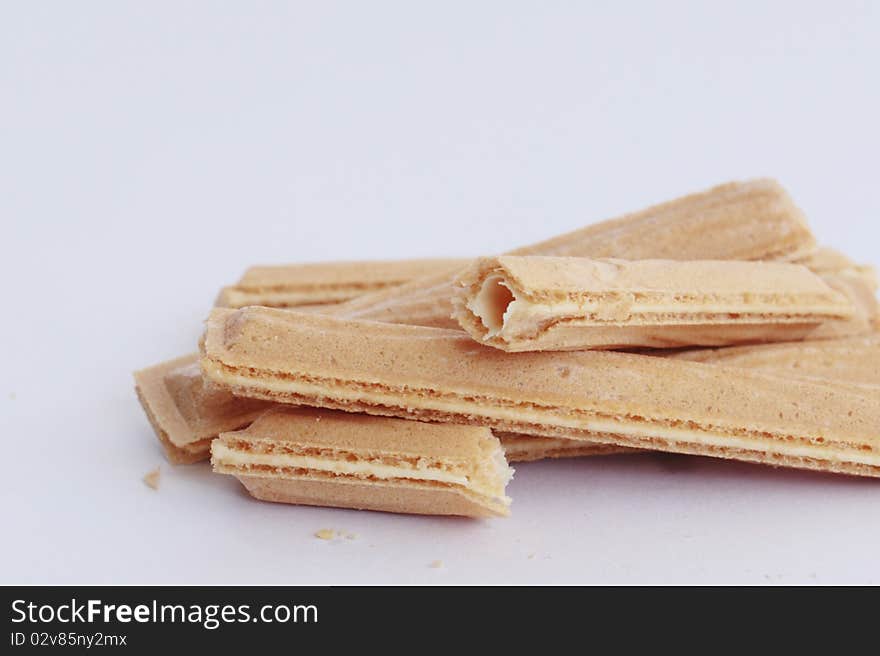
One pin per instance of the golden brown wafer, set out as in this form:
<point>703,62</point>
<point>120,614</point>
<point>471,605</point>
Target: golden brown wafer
<point>754,220</point>
<point>320,283</point>
<point>533,303</point>
<point>329,458</point>
<point>599,396</point>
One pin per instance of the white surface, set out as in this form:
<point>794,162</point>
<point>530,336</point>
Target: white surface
<point>149,152</point>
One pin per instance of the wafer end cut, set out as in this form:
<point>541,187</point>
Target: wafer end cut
<point>329,458</point>
<point>186,412</point>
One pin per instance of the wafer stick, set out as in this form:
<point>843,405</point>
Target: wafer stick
<point>599,396</point>
<point>328,458</point>
<point>754,220</point>
<point>536,303</point>
<point>853,361</point>
<point>186,412</point>
<point>739,220</point>
<point>320,283</point>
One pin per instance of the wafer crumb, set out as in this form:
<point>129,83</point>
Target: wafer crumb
<point>325,534</point>
<point>532,556</point>
<point>351,536</point>
<point>437,564</point>
<point>152,479</point>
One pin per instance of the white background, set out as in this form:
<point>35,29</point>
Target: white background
<point>150,152</point>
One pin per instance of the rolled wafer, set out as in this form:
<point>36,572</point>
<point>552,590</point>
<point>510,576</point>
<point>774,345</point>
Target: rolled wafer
<point>187,412</point>
<point>328,458</point>
<point>754,220</point>
<point>853,361</point>
<point>321,283</point>
<point>597,396</point>
<point>537,303</point>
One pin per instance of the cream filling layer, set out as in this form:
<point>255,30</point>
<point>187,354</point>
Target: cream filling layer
<point>519,415</point>
<point>506,315</point>
<point>227,456</point>
<point>525,319</point>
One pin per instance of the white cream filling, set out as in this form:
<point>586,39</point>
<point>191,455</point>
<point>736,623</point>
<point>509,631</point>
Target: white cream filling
<point>531,316</point>
<point>597,425</point>
<point>492,304</point>
<point>507,316</point>
<point>227,456</point>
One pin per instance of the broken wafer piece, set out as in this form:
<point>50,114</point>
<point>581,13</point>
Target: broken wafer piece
<point>605,397</point>
<point>327,458</point>
<point>319,283</point>
<point>186,412</point>
<point>853,361</point>
<point>565,303</point>
<point>753,220</point>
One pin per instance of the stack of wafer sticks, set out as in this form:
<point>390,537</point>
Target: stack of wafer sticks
<point>711,325</point>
